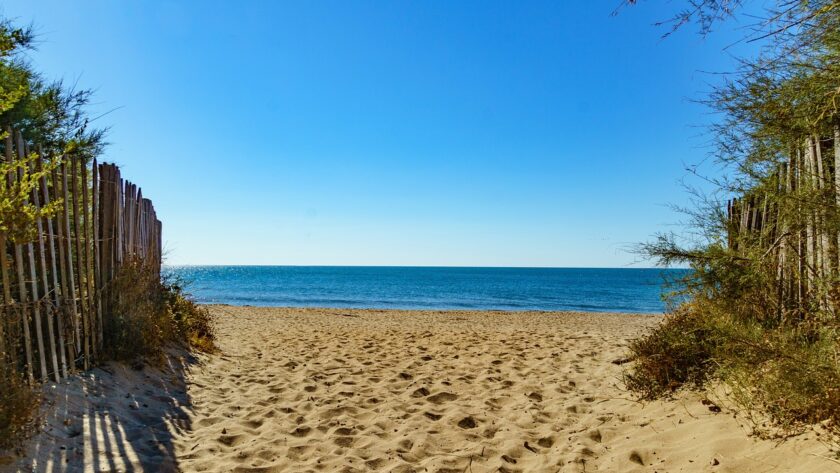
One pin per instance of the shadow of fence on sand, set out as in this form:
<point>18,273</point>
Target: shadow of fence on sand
<point>113,418</point>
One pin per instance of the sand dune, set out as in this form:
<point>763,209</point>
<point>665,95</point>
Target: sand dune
<point>322,390</point>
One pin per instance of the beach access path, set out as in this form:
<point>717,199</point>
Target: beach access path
<point>323,390</point>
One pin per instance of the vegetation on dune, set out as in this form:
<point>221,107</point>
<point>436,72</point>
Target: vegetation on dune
<point>763,310</point>
<point>45,112</point>
<point>18,408</point>
<point>150,313</point>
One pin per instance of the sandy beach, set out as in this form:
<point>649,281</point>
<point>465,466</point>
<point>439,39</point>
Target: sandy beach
<point>311,390</point>
<point>635,203</point>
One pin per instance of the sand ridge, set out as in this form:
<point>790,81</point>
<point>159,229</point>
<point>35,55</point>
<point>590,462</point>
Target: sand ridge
<point>311,390</point>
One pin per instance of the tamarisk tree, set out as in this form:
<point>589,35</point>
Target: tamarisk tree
<point>763,310</point>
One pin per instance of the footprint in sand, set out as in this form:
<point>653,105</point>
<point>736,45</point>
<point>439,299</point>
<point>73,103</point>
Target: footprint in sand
<point>298,452</point>
<point>405,445</point>
<point>231,440</point>
<point>442,397</point>
<point>635,457</point>
<point>422,392</point>
<point>375,464</point>
<point>344,441</point>
<point>301,431</point>
<point>467,423</point>
<point>508,459</point>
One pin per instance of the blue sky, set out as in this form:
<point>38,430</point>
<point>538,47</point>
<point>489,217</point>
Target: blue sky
<point>392,133</point>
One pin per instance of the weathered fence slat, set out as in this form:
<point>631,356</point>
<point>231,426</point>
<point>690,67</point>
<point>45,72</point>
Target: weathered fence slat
<point>88,262</point>
<point>68,306</point>
<point>68,251</point>
<point>33,281</point>
<point>57,298</point>
<point>795,229</point>
<point>97,269</point>
<point>5,323</point>
<point>56,289</point>
<point>22,309</point>
<point>80,263</point>
<point>7,297</point>
<point>42,260</point>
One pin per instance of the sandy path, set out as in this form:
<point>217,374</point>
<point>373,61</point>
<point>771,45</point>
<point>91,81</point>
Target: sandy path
<point>302,390</point>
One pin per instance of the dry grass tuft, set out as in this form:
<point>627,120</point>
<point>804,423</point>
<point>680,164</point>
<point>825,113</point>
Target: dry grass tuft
<point>150,314</point>
<point>18,409</point>
<point>676,353</point>
<point>784,378</point>
<point>193,323</point>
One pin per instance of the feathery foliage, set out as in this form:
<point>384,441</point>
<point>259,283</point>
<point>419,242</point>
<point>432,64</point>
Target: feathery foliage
<point>763,316</point>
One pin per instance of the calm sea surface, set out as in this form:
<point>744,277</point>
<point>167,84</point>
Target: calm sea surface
<point>586,289</point>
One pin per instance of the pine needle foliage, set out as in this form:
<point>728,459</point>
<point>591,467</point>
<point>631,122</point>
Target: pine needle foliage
<point>46,112</point>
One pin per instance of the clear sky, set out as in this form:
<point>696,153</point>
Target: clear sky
<point>469,133</point>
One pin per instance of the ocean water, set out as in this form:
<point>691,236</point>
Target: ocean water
<point>584,289</point>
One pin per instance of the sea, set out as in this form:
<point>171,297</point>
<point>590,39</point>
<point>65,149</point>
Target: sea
<point>390,287</point>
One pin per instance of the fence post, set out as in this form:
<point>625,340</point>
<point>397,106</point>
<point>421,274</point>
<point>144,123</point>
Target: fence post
<point>49,312</point>
<point>98,226</point>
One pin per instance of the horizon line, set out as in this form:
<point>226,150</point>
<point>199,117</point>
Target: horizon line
<point>409,266</point>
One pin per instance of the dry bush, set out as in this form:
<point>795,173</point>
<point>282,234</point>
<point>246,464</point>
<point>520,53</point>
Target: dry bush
<point>193,324</point>
<point>18,408</point>
<point>790,375</point>
<point>784,377</point>
<point>148,314</point>
<point>676,353</point>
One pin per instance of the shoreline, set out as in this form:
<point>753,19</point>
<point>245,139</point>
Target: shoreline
<point>433,309</point>
<point>432,288</point>
<point>400,391</point>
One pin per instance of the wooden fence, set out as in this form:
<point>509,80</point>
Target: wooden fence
<point>793,223</point>
<point>56,296</point>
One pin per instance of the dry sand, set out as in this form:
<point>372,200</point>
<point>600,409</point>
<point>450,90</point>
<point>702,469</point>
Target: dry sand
<point>318,390</point>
